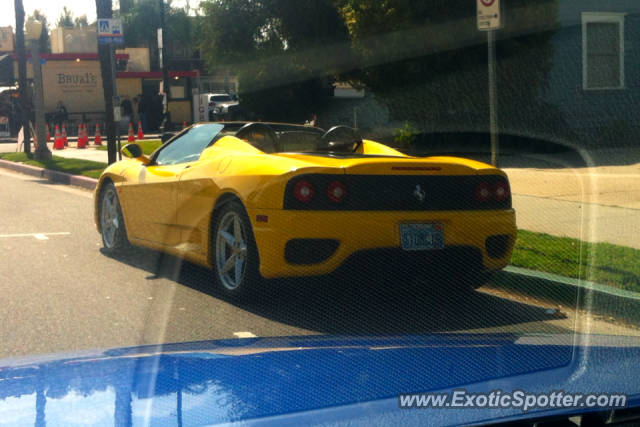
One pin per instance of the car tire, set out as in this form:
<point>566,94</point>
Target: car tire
<point>112,227</point>
<point>234,253</point>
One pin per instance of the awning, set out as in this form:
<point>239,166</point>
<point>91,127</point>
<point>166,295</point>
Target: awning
<point>72,56</point>
<point>154,74</point>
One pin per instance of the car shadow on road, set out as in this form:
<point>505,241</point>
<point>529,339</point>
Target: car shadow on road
<point>356,303</point>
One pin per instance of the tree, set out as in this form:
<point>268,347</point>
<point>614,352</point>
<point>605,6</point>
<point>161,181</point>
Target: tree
<point>427,61</point>
<point>142,21</point>
<point>81,21</point>
<point>22,75</point>
<point>65,19</point>
<point>282,51</point>
<point>45,40</point>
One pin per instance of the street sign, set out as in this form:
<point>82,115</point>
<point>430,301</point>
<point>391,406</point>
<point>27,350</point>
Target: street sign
<point>489,15</point>
<point>110,31</point>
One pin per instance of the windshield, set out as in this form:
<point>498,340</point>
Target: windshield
<point>221,98</point>
<point>336,203</point>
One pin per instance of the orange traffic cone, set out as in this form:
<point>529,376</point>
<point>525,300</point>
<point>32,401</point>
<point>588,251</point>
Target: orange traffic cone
<point>58,145</point>
<point>131,137</point>
<point>81,143</point>
<point>140,134</point>
<point>48,133</point>
<point>64,136</point>
<point>97,139</point>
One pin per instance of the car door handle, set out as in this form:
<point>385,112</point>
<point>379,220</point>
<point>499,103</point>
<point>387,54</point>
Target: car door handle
<point>187,167</point>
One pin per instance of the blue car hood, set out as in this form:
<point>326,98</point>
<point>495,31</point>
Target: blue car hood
<point>308,380</point>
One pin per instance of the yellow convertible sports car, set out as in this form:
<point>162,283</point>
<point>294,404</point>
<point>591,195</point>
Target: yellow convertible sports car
<point>266,200</point>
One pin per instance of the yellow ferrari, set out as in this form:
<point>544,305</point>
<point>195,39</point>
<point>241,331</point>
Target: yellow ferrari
<point>266,200</point>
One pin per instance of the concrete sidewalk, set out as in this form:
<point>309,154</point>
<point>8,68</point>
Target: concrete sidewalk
<point>595,204</point>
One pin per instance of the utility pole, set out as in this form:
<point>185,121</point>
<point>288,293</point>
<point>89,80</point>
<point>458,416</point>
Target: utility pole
<point>167,125</point>
<point>493,98</point>
<point>104,9</point>
<point>23,90</point>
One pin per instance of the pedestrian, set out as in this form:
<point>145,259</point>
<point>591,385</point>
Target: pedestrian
<point>127,108</point>
<point>143,109</point>
<point>60,114</point>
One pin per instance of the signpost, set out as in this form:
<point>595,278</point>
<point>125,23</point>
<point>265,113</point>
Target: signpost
<point>110,32</point>
<point>490,19</point>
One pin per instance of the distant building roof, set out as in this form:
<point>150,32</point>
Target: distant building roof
<point>71,56</point>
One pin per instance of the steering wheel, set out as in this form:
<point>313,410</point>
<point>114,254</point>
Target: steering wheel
<point>247,131</point>
<point>342,138</point>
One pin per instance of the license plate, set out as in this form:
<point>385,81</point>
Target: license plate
<point>416,237</point>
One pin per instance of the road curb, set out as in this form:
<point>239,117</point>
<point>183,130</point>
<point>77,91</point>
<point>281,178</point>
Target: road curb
<point>54,176</point>
<point>597,298</point>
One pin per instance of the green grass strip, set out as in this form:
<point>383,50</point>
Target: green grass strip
<point>148,145</point>
<point>60,164</point>
<point>604,263</point>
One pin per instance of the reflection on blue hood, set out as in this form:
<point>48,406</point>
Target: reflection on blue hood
<point>305,380</point>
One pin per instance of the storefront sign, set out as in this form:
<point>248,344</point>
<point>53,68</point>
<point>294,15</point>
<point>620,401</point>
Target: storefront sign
<point>77,84</point>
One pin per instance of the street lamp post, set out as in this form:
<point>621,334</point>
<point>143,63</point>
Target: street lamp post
<point>167,124</point>
<point>34,29</point>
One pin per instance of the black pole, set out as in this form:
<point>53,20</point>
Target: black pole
<point>23,90</point>
<point>104,10</point>
<point>167,125</point>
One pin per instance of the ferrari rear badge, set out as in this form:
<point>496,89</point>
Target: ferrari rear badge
<point>419,193</point>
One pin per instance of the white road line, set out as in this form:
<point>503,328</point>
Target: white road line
<point>39,236</point>
<point>244,335</point>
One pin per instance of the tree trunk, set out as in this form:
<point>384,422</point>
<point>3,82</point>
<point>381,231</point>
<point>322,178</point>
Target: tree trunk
<point>104,10</point>
<point>25,105</point>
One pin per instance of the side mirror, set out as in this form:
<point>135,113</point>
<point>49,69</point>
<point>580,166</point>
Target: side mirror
<point>134,151</point>
<point>166,136</point>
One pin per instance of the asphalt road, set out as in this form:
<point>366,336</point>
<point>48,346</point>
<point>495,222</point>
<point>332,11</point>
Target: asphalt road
<point>59,292</point>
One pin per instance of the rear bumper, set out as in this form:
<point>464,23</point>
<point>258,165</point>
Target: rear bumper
<point>358,232</point>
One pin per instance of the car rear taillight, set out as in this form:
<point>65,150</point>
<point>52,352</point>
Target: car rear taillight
<point>501,191</point>
<point>303,191</point>
<point>336,191</point>
<point>484,191</point>
<point>212,104</point>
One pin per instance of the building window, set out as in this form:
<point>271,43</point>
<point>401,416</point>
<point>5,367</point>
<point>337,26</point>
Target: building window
<point>603,50</point>
<point>178,88</point>
<point>179,50</point>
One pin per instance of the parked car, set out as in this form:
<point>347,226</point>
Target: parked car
<point>216,99</point>
<point>219,194</point>
<point>230,111</point>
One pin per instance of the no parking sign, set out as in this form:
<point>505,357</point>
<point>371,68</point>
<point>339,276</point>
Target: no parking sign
<point>489,15</point>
